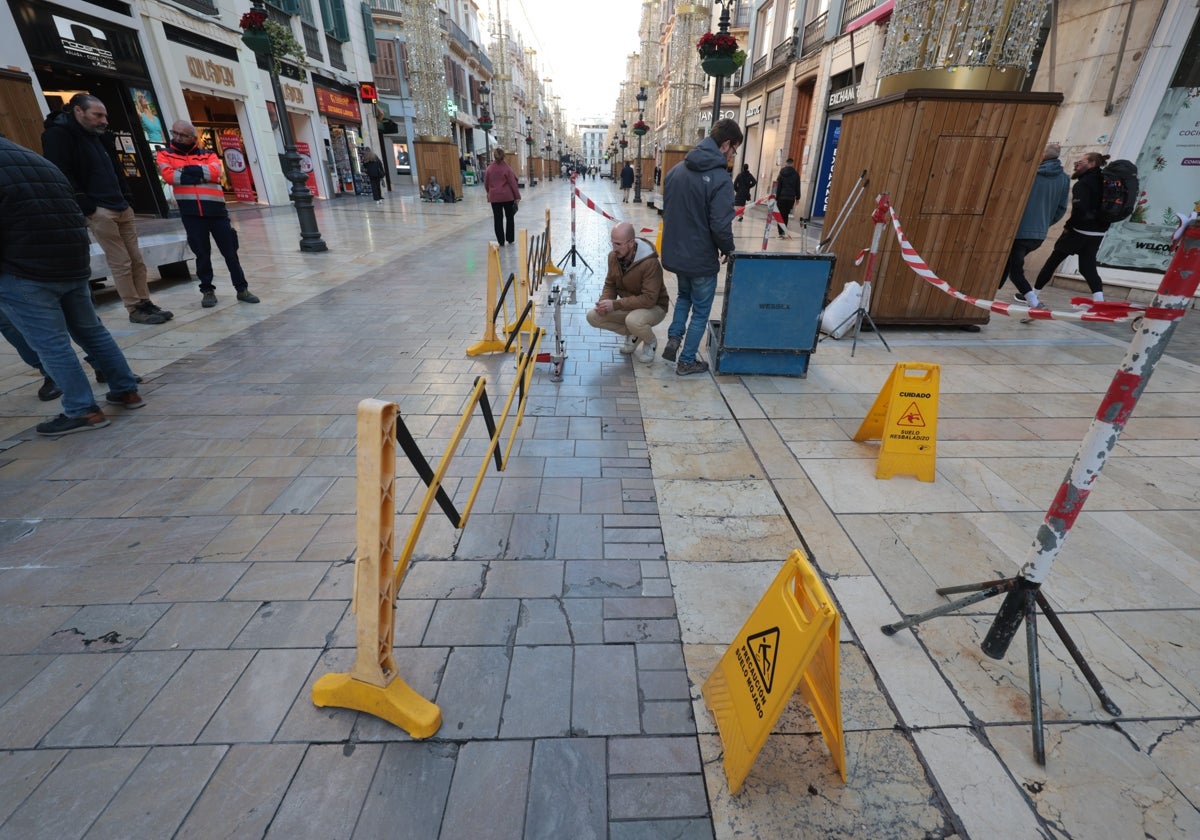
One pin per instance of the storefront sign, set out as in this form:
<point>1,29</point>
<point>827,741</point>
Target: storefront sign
<point>306,166</point>
<point>292,95</point>
<point>367,92</point>
<point>340,105</point>
<point>210,71</point>
<point>235,165</point>
<point>754,110</point>
<point>78,41</point>
<point>833,133</point>
<point>843,96</point>
<point>706,116</point>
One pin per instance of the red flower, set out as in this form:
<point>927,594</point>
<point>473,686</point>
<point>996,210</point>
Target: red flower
<point>253,20</point>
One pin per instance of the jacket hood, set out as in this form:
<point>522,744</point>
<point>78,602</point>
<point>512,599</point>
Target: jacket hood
<point>644,250</point>
<point>707,155</point>
<point>58,118</point>
<point>1051,168</point>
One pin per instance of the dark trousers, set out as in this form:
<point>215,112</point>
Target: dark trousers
<point>1082,246</point>
<point>199,229</point>
<point>377,189</point>
<point>784,205</point>
<point>1015,269</point>
<point>502,217</point>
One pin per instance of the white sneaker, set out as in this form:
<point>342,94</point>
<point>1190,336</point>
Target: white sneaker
<point>646,352</point>
<point>630,342</point>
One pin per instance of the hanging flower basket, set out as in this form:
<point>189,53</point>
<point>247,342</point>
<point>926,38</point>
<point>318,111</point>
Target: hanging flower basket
<point>719,54</point>
<point>485,123</point>
<point>529,141</point>
<point>640,128</point>
<point>254,32</point>
<point>269,38</point>
<point>624,143</point>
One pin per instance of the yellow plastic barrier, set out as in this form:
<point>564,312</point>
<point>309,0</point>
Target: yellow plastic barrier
<point>490,342</point>
<point>550,267</point>
<point>373,684</point>
<point>790,641</point>
<point>904,419</point>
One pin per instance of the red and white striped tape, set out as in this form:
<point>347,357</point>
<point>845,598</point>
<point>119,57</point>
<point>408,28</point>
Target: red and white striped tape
<point>591,205</point>
<point>1106,311</point>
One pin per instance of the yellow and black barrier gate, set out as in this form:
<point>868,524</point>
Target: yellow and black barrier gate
<point>373,685</point>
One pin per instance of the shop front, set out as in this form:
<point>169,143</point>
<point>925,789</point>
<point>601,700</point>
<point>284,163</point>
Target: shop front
<point>338,105</point>
<point>75,52</point>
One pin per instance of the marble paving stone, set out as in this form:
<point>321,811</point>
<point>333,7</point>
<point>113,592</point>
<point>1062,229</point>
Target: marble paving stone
<point>472,692</point>
<point>277,582</point>
<point>288,538</point>
<point>714,600</point>
<point>291,624</point>
<point>42,702</point>
<point>73,795</point>
<point>716,498</point>
<point>718,538</point>
<point>410,788</point>
<point>103,714</point>
<point>885,787</point>
<point>538,699</point>
<point>604,700</point>
<point>443,579</point>
<point>244,793</point>
<point>692,829</point>
<point>200,625</point>
<point>705,460</point>
<point>75,587</point>
<point>476,806</point>
<point>238,537</point>
<point>655,656</point>
<point>485,539</point>
<point>984,795</point>
<point>824,535</point>
<point>314,807</point>
<point>185,704</point>
<point>523,579</point>
<point>1156,637</point>
<point>914,683</point>
<point>20,773</point>
<point>258,701</point>
<point>176,774</point>
<point>851,487</point>
<point>1094,776</point>
<point>473,622</point>
<point>567,770</point>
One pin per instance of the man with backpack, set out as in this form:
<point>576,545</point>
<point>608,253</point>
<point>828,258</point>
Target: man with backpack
<point>1100,197</point>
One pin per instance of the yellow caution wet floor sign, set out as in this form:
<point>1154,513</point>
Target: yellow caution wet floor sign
<point>789,642</point>
<point>904,420</point>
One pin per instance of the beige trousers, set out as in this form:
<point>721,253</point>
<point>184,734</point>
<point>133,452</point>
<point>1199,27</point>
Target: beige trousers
<point>116,233</point>
<point>637,322</point>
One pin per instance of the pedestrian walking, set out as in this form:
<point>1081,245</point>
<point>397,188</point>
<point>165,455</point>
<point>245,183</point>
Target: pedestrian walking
<point>697,238</point>
<point>500,182</point>
<point>78,142</point>
<point>1085,227</point>
<point>787,190</point>
<point>634,299</point>
<point>1047,204</point>
<point>626,182</point>
<point>45,266</point>
<point>743,185</point>
<point>373,166</point>
<point>194,173</point>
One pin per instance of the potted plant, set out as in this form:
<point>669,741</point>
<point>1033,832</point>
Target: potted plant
<point>719,54</point>
<point>269,38</point>
<point>640,128</point>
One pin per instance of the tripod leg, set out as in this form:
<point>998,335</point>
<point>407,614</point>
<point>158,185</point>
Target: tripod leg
<point>875,329</point>
<point>946,609</point>
<point>969,587</point>
<point>1035,677</point>
<point>1077,655</point>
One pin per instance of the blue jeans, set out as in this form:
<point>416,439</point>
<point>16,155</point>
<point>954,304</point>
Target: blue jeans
<point>13,336</point>
<point>51,313</point>
<point>695,294</point>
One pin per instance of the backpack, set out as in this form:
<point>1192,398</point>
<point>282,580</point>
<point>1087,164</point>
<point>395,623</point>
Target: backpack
<point>1120,194</point>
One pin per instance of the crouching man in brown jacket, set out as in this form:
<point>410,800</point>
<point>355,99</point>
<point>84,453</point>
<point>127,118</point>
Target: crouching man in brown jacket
<point>634,299</point>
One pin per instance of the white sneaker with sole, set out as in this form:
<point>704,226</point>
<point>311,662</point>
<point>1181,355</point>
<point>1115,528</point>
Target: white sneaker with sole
<point>630,343</point>
<point>645,354</point>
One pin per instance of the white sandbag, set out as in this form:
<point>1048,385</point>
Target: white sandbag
<point>836,320</point>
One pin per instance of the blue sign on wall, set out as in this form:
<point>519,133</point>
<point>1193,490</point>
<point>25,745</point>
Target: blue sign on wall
<point>833,132</point>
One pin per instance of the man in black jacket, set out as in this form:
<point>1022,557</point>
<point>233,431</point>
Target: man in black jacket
<point>77,142</point>
<point>1084,228</point>
<point>44,273</point>
<point>787,190</point>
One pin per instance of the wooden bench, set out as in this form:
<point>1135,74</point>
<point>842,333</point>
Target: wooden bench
<point>168,252</point>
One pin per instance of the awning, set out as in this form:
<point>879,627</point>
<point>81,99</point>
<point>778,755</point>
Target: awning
<point>880,13</point>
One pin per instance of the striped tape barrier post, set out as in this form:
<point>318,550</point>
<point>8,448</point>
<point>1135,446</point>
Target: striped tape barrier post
<point>573,253</point>
<point>1023,595</point>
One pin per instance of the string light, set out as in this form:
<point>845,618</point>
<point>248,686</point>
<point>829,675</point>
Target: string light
<point>427,73</point>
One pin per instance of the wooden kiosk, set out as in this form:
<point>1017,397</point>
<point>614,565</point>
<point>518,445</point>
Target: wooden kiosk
<point>438,156</point>
<point>958,165</point>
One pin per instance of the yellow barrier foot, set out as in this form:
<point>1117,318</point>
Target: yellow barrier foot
<point>551,268</point>
<point>396,703</point>
<point>481,347</point>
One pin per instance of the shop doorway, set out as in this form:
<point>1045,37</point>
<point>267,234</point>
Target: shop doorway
<point>218,130</point>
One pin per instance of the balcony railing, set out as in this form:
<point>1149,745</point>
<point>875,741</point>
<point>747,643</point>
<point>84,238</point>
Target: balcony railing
<point>484,61</point>
<point>814,34</point>
<point>335,53</point>
<point>758,67</point>
<point>312,41</point>
<point>458,35</point>
<point>396,7</point>
<point>858,8</point>
<point>204,7</point>
<point>784,52</point>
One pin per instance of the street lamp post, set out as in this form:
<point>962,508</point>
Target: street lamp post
<point>722,29</point>
<point>302,198</point>
<point>529,148</point>
<point>637,175</point>
<point>485,122</point>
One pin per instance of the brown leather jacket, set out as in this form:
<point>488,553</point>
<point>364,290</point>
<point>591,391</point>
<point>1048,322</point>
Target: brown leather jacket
<point>638,287</point>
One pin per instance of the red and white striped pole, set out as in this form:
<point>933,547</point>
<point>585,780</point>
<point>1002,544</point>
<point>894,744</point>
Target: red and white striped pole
<point>1170,303</point>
